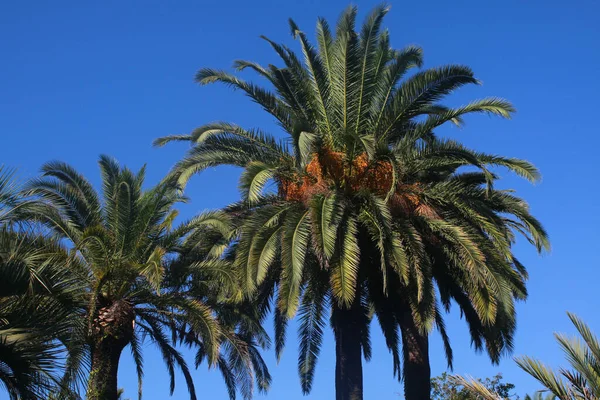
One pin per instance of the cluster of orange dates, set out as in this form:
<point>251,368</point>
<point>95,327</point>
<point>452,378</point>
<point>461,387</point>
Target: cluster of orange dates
<point>328,169</point>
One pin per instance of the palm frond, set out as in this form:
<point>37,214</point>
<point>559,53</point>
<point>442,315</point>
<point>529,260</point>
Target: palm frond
<point>344,270</point>
<point>312,317</point>
<point>294,246</point>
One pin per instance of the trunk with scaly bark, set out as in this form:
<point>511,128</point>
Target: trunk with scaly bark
<point>111,332</point>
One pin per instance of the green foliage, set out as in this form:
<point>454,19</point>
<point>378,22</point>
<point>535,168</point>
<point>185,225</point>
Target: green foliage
<point>36,296</point>
<point>7,191</point>
<point>443,387</point>
<point>475,389</point>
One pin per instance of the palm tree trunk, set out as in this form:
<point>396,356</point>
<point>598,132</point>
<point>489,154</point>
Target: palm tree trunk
<point>112,330</point>
<point>346,323</point>
<point>417,371</point>
<point>102,383</point>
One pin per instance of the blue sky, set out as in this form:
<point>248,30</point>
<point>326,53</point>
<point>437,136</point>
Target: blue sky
<point>79,79</point>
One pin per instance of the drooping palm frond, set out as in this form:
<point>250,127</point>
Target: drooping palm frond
<point>480,391</point>
<point>313,319</point>
<point>28,364</point>
<point>8,192</point>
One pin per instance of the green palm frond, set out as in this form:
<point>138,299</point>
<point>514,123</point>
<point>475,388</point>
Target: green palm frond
<point>264,98</point>
<point>546,376</point>
<point>312,315</point>
<point>325,217</point>
<point>27,362</point>
<point>294,246</point>
<point>8,192</point>
<point>320,86</point>
<point>136,353</point>
<point>476,388</point>
<point>253,180</point>
<point>344,269</point>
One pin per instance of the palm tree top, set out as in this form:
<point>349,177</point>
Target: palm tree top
<point>346,93</point>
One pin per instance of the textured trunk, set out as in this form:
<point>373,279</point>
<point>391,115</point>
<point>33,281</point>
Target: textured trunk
<point>102,384</point>
<point>417,372</point>
<point>111,331</point>
<point>348,352</point>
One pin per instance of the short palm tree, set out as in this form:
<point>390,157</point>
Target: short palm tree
<point>127,255</point>
<point>369,210</point>
<point>35,301</point>
<point>35,309</point>
<point>582,380</point>
<point>579,382</point>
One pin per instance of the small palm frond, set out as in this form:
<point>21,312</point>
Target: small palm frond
<point>545,376</point>
<point>476,388</point>
<point>9,190</point>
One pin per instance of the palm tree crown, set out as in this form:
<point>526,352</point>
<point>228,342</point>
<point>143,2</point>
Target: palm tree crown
<point>137,276</point>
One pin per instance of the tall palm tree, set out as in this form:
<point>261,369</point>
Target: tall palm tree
<point>369,210</point>
<point>126,253</point>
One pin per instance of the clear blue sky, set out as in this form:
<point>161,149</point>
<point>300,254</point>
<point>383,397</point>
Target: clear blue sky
<point>83,78</point>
